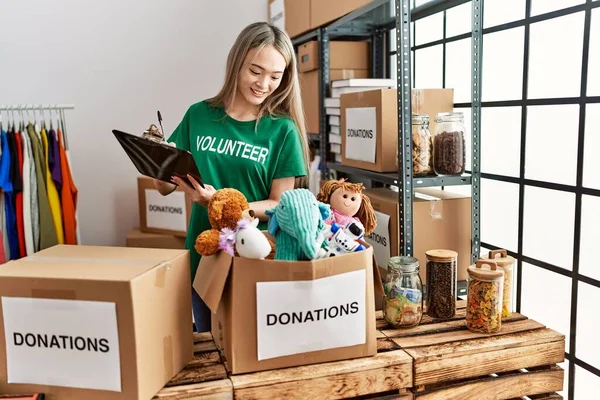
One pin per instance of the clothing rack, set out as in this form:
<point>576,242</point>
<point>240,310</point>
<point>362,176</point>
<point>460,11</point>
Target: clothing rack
<point>42,107</point>
<point>21,113</point>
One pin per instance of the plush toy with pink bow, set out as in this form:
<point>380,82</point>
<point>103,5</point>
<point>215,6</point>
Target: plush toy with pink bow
<point>246,239</point>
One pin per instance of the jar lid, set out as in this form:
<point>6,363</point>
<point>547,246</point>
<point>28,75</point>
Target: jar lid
<point>404,263</point>
<point>504,260</point>
<point>476,271</point>
<point>420,118</point>
<point>449,116</point>
<point>441,255</point>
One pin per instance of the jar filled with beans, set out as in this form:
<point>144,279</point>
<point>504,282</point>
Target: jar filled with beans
<point>441,280</point>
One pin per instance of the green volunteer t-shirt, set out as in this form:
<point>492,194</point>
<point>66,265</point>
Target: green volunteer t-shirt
<point>233,154</point>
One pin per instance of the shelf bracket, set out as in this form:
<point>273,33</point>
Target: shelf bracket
<point>378,50</point>
<point>323,41</point>
<point>405,193</point>
<point>476,61</point>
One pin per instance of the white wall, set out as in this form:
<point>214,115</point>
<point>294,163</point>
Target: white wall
<point>118,62</point>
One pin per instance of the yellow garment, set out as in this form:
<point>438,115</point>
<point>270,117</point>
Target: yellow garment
<point>53,198</point>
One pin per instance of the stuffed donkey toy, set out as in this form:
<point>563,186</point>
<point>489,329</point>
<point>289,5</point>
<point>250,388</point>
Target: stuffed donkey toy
<point>296,224</point>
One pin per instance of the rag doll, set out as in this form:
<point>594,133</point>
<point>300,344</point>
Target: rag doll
<point>348,204</point>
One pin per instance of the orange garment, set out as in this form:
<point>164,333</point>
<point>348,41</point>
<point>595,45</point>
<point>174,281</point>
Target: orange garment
<point>68,195</point>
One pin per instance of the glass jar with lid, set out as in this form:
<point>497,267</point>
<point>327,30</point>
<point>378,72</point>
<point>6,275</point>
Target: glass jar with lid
<point>403,299</point>
<point>507,263</point>
<point>441,283</point>
<point>422,152</point>
<point>449,144</point>
<point>484,297</point>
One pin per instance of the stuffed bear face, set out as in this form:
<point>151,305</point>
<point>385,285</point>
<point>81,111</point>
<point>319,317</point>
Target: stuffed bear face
<point>226,208</point>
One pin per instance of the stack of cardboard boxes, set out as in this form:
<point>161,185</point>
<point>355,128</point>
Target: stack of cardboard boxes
<point>347,60</point>
<point>163,219</point>
<point>299,16</point>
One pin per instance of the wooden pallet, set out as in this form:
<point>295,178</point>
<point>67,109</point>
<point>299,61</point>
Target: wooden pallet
<point>389,373</point>
<point>435,360</point>
<point>450,362</point>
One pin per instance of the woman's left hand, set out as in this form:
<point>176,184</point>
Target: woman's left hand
<point>197,193</point>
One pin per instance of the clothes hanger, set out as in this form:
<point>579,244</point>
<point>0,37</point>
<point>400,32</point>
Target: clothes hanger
<point>43,117</point>
<point>35,118</point>
<point>64,130</point>
<point>12,120</point>
<point>22,124</point>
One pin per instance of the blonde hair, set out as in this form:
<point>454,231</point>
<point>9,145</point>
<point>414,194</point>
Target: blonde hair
<point>286,101</point>
<point>365,213</point>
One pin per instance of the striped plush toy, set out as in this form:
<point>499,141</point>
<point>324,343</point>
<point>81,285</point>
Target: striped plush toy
<point>296,224</point>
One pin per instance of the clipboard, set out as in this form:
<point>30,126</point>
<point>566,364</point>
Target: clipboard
<point>158,160</point>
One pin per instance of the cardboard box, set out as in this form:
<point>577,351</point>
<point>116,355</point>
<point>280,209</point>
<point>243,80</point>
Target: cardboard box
<point>369,122</point>
<point>342,55</point>
<point>309,87</point>
<point>261,309</point>
<point>293,16</point>
<point>443,223</point>
<point>137,238</point>
<point>163,214</point>
<point>94,323</point>
<point>325,11</point>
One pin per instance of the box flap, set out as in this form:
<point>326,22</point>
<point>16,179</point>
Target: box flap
<point>377,280</point>
<point>88,263</point>
<point>211,277</point>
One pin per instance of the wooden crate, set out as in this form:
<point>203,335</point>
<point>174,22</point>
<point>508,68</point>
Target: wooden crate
<point>450,362</point>
<point>435,360</point>
<point>203,378</point>
<point>389,374</point>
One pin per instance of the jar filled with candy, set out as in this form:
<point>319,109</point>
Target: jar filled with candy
<point>403,299</point>
<point>484,297</point>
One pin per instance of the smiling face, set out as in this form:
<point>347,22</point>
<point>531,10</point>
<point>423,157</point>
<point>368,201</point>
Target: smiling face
<point>345,202</point>
<point>261,74</point>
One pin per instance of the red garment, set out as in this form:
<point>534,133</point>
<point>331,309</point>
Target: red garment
<point>19,199</point>
<point>68,195</point>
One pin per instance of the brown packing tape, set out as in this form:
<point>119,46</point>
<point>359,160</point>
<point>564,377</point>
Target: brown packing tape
<point>348,74</point>
<point>436,209</point>
<point>377,280</point>
<point>91,260</point>
<point>53,294</point>
<point>297,270</point>
<point>168,357</point>
<point>417,99</point>
<point>161,274</point>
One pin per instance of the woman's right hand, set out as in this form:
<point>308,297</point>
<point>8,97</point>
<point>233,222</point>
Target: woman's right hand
<point>197,193</point>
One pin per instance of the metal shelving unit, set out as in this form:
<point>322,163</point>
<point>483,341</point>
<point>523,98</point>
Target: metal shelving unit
<point>372,22</point>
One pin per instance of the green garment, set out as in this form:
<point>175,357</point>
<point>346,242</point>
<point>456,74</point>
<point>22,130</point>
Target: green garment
<point>233,154</point>
<point>47,231</point>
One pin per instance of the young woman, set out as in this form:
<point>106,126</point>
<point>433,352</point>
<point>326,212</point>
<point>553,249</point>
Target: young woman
<point>251,136</point>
